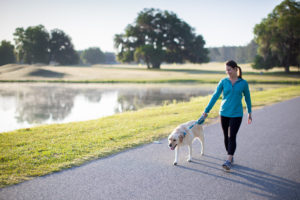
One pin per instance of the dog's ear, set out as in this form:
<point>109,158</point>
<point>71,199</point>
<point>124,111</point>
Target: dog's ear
<point>180,138</point>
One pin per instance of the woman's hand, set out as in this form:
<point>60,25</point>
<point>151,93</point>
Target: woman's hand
<point>204,114</point>
<point>249,118</point>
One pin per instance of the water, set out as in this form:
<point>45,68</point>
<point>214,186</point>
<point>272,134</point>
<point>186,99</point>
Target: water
<point>24,105</point>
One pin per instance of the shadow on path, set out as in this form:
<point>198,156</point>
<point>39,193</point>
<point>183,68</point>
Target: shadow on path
<point>263,184</point>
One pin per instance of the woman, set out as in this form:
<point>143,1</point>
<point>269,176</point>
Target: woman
<point>231,111</point>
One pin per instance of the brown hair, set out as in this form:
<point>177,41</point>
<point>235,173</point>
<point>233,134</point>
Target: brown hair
<point>233,64</point>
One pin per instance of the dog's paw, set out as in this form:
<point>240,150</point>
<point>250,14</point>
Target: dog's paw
<point>174,163</point>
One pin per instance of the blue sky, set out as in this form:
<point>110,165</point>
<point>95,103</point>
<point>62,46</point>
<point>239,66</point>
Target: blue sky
<point>93,23</point>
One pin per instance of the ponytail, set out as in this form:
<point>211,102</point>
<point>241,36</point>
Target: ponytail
<point>240,72</point>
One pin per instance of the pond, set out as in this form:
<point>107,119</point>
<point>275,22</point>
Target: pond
<point>24,105</point>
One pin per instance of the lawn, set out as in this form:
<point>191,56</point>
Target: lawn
<point>199,73</point>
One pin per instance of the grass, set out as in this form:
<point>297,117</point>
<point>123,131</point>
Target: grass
<point>27,153</point>
<point>185,73</point>
<point>251,79</point>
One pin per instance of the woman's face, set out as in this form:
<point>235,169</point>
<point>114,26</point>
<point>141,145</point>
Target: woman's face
<point>230,71</point>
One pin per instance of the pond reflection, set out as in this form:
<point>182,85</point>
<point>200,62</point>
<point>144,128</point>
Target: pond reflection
<point>27,104</point>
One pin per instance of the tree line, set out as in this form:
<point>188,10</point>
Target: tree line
<point>241,54</point>
<point>159,36</point>
<point>36,45</point>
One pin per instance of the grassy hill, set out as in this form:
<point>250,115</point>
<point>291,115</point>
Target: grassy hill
<point>201,73</point>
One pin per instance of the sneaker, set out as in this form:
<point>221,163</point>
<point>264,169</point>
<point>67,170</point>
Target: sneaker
<point>227,165</point>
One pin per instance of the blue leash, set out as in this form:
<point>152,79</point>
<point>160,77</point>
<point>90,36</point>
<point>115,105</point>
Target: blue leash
<point>199,121</point>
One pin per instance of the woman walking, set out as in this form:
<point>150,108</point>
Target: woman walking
<point>232,88</point>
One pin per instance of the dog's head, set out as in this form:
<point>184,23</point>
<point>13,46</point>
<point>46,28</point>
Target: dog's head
<point>174,139</point>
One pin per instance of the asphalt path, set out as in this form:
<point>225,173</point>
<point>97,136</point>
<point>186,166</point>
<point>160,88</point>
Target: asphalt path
<point>267,166</point>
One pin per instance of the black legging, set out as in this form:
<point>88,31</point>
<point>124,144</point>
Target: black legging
<point>232,124</point>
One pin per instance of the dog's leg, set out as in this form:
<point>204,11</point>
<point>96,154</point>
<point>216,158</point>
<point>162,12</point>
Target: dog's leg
<point>190,153</point>
<point>176,156</point>
<point>201,138</point>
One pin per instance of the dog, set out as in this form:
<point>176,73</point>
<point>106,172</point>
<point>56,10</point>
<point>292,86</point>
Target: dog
<point>183,135</point>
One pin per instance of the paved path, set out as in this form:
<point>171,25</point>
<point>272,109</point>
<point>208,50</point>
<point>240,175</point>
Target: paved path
<point>267,167</point>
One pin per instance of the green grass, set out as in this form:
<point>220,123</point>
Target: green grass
<point>169,73</point>
<point>252,79</point>
<point>27,153</point>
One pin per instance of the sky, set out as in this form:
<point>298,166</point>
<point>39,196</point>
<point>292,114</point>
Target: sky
<point>93,23</point>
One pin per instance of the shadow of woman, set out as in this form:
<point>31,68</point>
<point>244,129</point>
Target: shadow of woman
<point>276,186</point>
<point>263,183</point>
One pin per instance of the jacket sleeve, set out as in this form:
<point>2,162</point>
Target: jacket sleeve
<point>214,97</point>
<point>247,98</point>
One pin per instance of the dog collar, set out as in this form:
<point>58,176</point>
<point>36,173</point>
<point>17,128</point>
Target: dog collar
<point>184,134</point>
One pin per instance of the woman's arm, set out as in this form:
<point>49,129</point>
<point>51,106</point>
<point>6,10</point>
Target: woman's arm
<point>248,102</point>
<point>214,97</point>
<point>247,98</point>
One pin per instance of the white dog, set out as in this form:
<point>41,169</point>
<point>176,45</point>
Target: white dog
<point>183,135</point>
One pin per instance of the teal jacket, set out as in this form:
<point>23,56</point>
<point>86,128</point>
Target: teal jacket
<point>231,105</point>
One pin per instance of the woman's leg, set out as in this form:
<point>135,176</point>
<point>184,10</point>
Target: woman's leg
<point>225,127</point>
<point>234,124</point>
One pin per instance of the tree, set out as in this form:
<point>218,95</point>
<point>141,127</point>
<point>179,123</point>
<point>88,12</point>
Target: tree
<point>93,55</point>
<point>62,49</point>
<point>159,36</point>
<point>251,51</point>
<point>19,41</point>
<point>149,54</point>
<point>196,52</point>
<point>32,44</point>
<point>110,57</point>
<point>7,54</point>
<point>278,37</point>
<point>241,54</point>
<point>36,45</point>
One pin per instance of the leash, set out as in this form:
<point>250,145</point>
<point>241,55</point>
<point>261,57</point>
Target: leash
<point>199,121</point>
